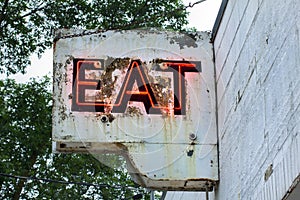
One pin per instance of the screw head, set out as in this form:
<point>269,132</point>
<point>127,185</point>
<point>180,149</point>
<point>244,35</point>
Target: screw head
<point>104,119</point>
<point>193,136</point>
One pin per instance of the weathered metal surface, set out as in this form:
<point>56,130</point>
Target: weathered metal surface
<point>147,95</point>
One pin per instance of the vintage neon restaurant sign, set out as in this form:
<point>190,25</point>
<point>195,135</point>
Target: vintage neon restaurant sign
<point>145,94</point>
<point>95,86</point>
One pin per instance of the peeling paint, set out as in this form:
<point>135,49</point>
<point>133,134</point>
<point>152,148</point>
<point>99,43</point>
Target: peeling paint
<point>183,42</point>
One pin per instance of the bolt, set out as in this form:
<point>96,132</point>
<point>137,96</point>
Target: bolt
<point>97,64</point>
<point>193,136</point>
<point>104,119</point>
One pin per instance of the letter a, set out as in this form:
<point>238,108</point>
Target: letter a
<point>136,74</point>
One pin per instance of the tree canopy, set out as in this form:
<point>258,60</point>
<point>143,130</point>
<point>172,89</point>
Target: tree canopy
<point>27,27</point>
<point>25,152</point>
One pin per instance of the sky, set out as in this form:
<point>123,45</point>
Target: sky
<point>202,16</point>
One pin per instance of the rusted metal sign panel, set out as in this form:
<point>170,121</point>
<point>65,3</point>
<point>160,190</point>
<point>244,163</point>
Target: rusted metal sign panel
<point>146,94</point>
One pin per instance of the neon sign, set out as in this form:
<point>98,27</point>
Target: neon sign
<point>109,89</point>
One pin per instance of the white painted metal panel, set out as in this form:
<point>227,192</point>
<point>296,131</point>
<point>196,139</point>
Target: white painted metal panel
<point>146,94</point>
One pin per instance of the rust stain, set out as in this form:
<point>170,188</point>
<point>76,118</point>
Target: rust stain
<point>184,41</point>
<point>108,81</point>
<point>133,111</point>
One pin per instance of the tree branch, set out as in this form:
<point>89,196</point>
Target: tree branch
<point>192,5</point>
<point>153,17</point>
<point>133,21</point>
<point>21,183</point>
<point>2,27</point>
<point>38,8</point>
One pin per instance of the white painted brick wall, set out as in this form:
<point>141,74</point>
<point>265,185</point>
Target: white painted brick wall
<point>257,49</point>
<point>258,77</point>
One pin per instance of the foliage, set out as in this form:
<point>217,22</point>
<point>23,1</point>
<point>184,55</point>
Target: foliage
<point>25,137</point>
<point>27,27</point>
